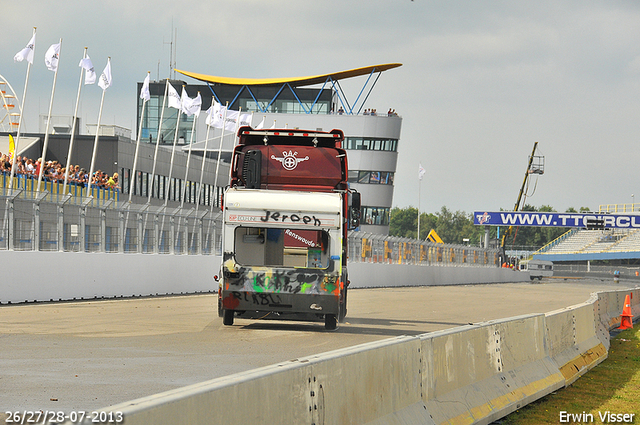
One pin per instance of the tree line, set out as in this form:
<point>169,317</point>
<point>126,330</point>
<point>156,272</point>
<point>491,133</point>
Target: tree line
<point>454,227</point>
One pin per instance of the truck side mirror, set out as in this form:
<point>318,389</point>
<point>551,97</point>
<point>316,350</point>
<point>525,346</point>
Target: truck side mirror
<point>354,210</point>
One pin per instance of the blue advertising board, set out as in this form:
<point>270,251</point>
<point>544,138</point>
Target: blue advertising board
<point>547,219</point>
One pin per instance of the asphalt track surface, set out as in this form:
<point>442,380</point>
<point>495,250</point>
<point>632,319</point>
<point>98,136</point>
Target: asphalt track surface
<point>89,355</point>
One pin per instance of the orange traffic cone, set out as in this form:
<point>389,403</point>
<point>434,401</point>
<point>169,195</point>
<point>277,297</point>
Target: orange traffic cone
<point>627,322</point>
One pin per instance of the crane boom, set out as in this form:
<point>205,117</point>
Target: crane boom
<point>517,206</point>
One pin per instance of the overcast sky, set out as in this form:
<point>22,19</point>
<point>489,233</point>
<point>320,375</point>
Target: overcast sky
<point>480,81</point>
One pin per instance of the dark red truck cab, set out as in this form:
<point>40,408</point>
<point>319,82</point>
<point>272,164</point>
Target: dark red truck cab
<point>286,215</point>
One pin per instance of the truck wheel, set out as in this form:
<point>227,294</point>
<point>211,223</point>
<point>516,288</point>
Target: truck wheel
<point>330,322</point>
<point>220,307</point>
<point>343,307</point>
<point>227,318</point>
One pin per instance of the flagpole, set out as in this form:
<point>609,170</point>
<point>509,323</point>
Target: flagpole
<point>73,128</point>
<point>95,141</point>
<point>421,173</point>
<point>17,141</point>
<point>235,132</point>
<point>46,135</point>
<point>204,157</point>
<point>186,171</point>
<point>135,155</point>
<point>95,148</point>
<point>155,155</point>
<point>215,180</point>
<point>419,184</point>
<point>173,150</point>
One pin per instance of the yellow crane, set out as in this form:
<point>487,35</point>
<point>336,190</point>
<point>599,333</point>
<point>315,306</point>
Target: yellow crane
<point>535,166</point>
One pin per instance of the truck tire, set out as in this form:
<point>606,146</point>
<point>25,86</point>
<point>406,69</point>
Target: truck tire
<point>330,322</point>
<point>343,307</point>
<point>227,317</point>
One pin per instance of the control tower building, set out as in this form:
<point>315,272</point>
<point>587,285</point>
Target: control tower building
<point>314,103</point>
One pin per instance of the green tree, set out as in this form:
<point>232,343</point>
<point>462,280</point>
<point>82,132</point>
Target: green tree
<point>403,222</point>
<point>454,227</point>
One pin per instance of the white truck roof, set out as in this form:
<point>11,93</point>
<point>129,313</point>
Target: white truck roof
<point>281,207</point>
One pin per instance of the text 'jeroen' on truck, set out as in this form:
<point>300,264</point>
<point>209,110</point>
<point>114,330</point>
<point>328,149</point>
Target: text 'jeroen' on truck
<point>286,215</point>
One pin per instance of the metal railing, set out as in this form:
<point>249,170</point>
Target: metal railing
<point>619,208</point>
<point>372,248</point>
<point>32,221</point>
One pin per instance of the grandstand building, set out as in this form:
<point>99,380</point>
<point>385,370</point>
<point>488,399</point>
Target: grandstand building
<point>606,251</point>
<point>371,137</point>
<point>580,245</point>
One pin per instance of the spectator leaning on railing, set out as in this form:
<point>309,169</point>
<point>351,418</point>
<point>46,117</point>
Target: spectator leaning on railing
<point>53,171</point>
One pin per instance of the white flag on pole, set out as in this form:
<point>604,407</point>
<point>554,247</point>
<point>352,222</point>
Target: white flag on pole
<point>232,118</point>
<point>174,98</point>
<point>52,56</point>
<point>421,172</point>
<point>190,106</point>
<point>196,105</point>
<point>27,52</point>
<point>105,77</point>
<point>215,115</point>
<point>184,101</point>
<point>245,119</point>
<point>261,125</point>
<point>89,72</point>
<point>274,124</point>
<point>145,94</point>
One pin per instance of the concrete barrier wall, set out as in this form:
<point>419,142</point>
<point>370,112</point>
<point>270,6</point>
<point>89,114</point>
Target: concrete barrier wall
<point>373,275</point>
<point>472,374</point>
<point>53,276</point>
<point>480,373</point>
<point>574,343</point>
<point>45,276</point>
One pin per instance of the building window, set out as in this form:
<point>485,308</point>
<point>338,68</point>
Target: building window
<point>375,216</point>
<point>358,143</point>
<point>370,177</point>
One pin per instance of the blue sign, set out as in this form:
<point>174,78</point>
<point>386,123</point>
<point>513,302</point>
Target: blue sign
<point>547,219</point>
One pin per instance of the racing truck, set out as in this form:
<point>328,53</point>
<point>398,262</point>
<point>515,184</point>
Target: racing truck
<point>286,213</point>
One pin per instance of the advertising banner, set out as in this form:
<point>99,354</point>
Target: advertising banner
<point>547,219</point>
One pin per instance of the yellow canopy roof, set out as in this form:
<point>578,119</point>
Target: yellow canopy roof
<point>296,82</point>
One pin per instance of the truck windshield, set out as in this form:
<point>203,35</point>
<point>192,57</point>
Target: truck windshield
<point>277,247</point>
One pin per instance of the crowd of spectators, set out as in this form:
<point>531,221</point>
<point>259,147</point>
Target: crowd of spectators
<point>390,112</point>
<point>53,171</point>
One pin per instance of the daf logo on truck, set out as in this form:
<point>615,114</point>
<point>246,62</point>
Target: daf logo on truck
<point>289,160</point>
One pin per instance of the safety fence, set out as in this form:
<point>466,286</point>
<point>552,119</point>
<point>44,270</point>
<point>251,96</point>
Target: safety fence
<point>44,221</point>
<point>371,248</point>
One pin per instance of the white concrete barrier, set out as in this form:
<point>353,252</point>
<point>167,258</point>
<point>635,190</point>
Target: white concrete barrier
<point>350,386</point>
<point>55,276</point>
<point>574,345</point>
<point>375,275</point>
<point>480,373</point>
